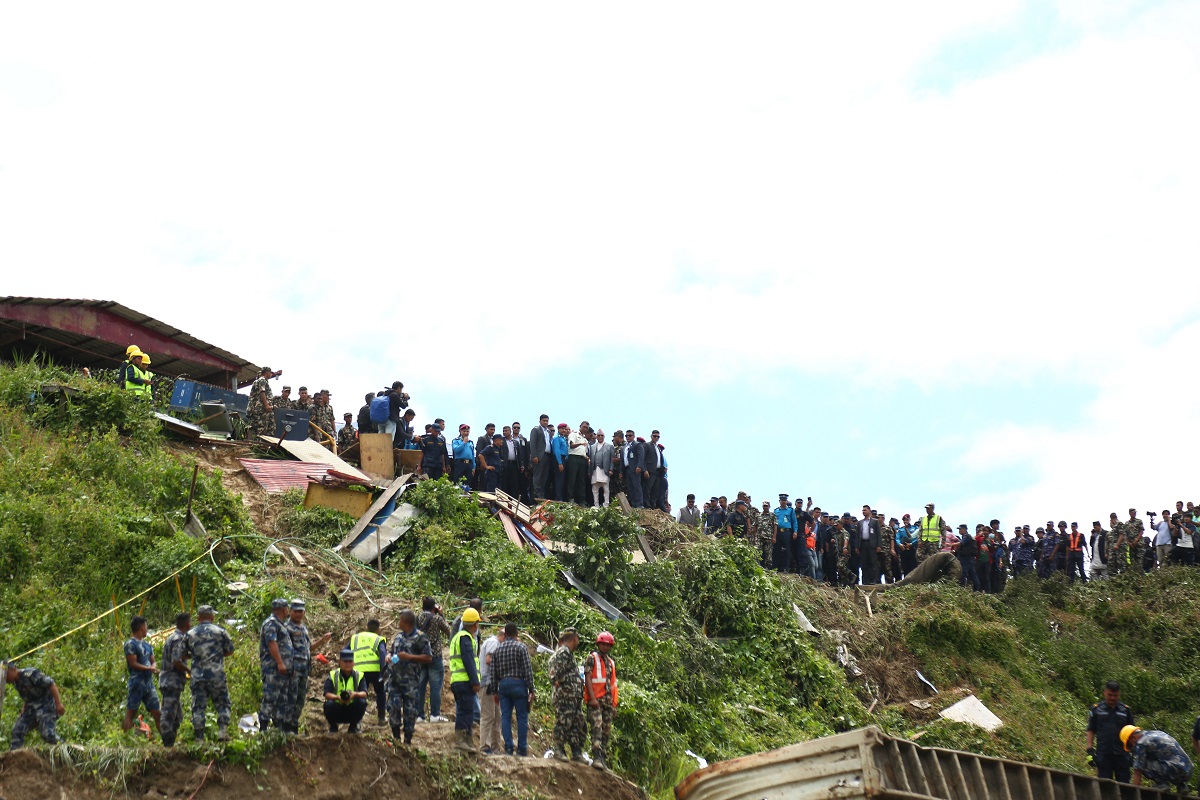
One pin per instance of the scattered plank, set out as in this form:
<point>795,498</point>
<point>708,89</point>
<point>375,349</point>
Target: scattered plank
<point>296,555</point>
<point>375,455</point>
<point>645,547</point>
<point>382,500</point>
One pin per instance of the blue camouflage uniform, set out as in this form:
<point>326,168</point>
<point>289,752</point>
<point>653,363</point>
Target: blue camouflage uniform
<point>1161,760</point>
<point>208,644</point>
<point>141,683</point>
<point>402,681</point>
<point>298,683</point>
<point>276,708</point>
<point>33,686</point>
<point>170,684</point>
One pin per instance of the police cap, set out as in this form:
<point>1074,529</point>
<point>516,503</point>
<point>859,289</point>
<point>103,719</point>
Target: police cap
<point>205,611</point>
<point>279,602</point>
<point>346,655</point>
<point>297,605</point>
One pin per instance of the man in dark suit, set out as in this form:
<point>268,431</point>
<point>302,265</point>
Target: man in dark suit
<point>865,544</point>
<point>633,460</point>
<point>652,461</point>
<point>540,458</point>
<point>523,480</point>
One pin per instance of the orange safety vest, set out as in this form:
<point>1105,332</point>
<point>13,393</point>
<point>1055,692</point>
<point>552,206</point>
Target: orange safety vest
<point>599,682</point>
<point>1076,543</point>
<point>811,538</point>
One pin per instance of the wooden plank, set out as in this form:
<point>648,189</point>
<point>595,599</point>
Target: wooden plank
<point>510,529</point>
<point>313,452</point>
<point>375,508</point>
<point>296,555</point>
<point>375,455</point>
<point>339,498</point>
<point>645,547</point>
<point>624,503</point>
<point>410,460</point>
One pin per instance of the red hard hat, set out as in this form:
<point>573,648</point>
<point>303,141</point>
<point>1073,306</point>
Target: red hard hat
<point>604,637</point>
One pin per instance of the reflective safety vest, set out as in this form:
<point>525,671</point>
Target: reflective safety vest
<point>598,682</point>
<point>1076,542</point>
<point>135,371</point>
<point>366,651</point>
<point>345,683</point>
<point>458,670</point>
<point>931,528</point>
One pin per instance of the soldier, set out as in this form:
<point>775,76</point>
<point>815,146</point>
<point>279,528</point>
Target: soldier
<point>765,534</point>
<point>887,552</point>
<point>1118,546</point>
<point>324,416</point>
<point>139,661</point>
<point>570,728</point>
<point>302,647</point>
<point>410,651</point>
<point>304,402</point>
<point>930,529</point>
<point>172,679</point>
<point>285,398</point>
<point>347,436</point>
<point>208,645</point>
<point>275,661</point>
<point>845,527</point>
<point>1135,537</point>
<point>260,412</point>
<point>42,705</point>
<point>600,691</point>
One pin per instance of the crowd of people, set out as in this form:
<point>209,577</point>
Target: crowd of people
<point>872,548</point>
<point>398,675</point>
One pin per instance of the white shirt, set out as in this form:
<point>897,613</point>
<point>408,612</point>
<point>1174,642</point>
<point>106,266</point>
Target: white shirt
<point>1163,535</point>
<point>578,444</point>
<point>865,525</point>
<point>512,449</point>
<point>549,433</point>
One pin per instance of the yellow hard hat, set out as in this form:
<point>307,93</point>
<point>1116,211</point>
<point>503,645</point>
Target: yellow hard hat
<point>133,348</point>
<point>469,616</point>
<point>145,358</point>
<point>1126,732</point>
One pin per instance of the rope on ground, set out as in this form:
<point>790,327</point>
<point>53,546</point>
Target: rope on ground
<point>114,609</point>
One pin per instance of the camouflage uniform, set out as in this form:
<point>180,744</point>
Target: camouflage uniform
<point>402,680</point>
<point>887,541</point>
<point>207,644</point>
<point>262,422</point>
<point>298,683</point>
<point>171,683</point>
<point>924,548</point>
<point>322,416</point>
<point>567,699</point>
<point>765,538</point>
<point>33,686</point>
<point>1135,536</point>
<point>601,715</point>
<point>1161,760</point>
<point>276,708</point>
<point>1118,557</point>
<point>843,560</point>
<point>346,438</point>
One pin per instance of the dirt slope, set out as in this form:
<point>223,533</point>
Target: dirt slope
<point>324,767</point>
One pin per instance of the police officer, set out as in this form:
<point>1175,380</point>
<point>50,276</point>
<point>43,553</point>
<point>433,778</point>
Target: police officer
<point>410,651</point>
<point>1104,725</point>
<point>1158,758</point>
<point>208,645</point>
<point>275,662</point>
<point>41,704</point>
<point>302,647</point>
<point>785,526</point>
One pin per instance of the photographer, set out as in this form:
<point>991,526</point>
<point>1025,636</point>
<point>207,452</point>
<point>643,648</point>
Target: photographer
<point>1183,547</point>
<point>345,694</point>
<point>1162,536</point>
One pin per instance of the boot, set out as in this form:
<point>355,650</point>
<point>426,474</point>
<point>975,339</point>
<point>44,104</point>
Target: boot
<point>598,762</point>
<point>223,733</point>
<point>463,741</point>
<point>578,758</point>
<point>560,751</point>
<point>408,738</point>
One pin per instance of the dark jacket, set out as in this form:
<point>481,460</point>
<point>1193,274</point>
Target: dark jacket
<point>537,444</point>
<point>856,540</point>
<point>636,457</point>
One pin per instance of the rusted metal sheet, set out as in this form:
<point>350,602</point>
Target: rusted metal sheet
<point>312,452</point>
<point>866,763</point>
<point>276,476</point>
<point>112,322</point>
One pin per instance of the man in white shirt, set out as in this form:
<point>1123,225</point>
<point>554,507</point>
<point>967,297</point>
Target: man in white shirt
<point>1162,538</point>
<point>489,709</point>
<point>577,468</point>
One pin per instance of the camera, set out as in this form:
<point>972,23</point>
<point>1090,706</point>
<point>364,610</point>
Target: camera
<point>345,697</point>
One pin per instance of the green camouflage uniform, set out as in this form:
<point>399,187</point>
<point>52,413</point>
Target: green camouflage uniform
<point>1118,557</point>
<point>764,539</point>
<point>346,438</point>
<point>570,727</point>
<point>926,549</point>
<point>322,417</point>
<point>887,541</point>
<point>1134,534</point>
<point>261,421</point>
<point>843,559</point>
<point>601,715</point>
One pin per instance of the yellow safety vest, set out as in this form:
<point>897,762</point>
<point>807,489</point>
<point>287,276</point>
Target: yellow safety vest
<point>366,651</point>
<point>458,670</point>
<point>931,528</point>
<point>137,372</point>
<point>347,683</point>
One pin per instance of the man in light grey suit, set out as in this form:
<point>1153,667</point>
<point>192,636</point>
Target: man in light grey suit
<point>539,456</point>
<point>600,469</point>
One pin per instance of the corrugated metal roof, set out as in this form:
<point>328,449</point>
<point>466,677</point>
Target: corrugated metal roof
<point>28,320</point>
<point>276,476</point>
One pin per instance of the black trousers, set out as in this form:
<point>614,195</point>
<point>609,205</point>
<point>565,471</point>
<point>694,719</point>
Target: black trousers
<point>868,560</point>
<point>1114,767</point>
<point>344,713</point>
<point>375,680</point>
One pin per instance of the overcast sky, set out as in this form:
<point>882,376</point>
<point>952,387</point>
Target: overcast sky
<point>868,252</point>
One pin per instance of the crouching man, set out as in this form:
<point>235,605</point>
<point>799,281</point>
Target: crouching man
<point>345,694</point>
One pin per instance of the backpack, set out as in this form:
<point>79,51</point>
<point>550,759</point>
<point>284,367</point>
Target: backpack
<point>381,409</point>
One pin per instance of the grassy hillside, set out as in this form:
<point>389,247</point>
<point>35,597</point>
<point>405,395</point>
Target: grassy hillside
<point>715,661</point>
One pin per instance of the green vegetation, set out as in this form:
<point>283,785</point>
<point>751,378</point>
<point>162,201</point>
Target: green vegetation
<point>91,508</point>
